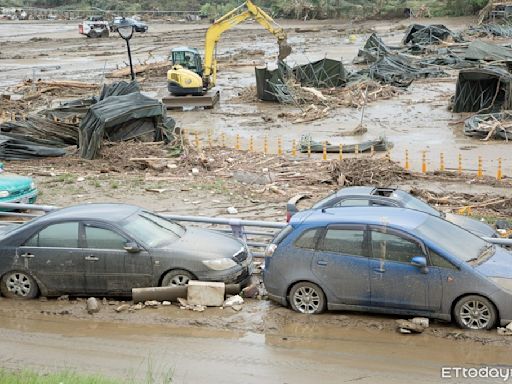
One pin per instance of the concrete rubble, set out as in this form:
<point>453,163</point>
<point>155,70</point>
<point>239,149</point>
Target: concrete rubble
<point>92,305</point>
<point>210,294</point>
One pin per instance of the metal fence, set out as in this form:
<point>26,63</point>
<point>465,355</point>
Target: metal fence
<point>256,239</point>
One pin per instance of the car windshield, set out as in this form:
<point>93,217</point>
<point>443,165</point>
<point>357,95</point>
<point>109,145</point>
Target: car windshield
<point>454,240</point>
<point>412,202</point>
<point>153,230</point>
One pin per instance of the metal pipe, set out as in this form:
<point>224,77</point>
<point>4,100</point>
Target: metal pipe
<point>226,221</point>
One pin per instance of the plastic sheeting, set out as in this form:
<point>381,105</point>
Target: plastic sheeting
<point>483,90</point>
<point>118,118</point>
<point>418,34</point>
<point>324,73</point>
<point>479,50</point>
<point>490,126</point>
<point>18,149</point>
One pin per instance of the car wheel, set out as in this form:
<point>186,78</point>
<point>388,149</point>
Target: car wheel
<point>18,285</point>
<point>475,312</point>
<point>307,297</point>
<point>176,278</point>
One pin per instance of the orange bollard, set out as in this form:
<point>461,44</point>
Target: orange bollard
<point>209,138</point>
<point>324,151</point>
<point>294,148</point>
<point>479,171</point>
<point>341,152</point>
<point>407,165</point>
<point>265,145</point>
<point>251,144</point>
<point>279,147</point>
<point>499,174</point>
<point>441,162</point>
<point>309,149</point>
<point>223,140</point>
<point>357,149</point>
<point>459,166</point>
<point>237,143</point>
<point>424,161</point>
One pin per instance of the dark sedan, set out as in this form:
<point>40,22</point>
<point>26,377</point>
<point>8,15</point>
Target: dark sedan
<point>109,249</point>
<point>138,26</point>
<point>391,197</point>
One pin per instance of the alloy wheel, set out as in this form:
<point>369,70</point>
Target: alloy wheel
<point>475,314</point>
<point>19,284</point>
<point>179,280</point>
<point>306,300</point>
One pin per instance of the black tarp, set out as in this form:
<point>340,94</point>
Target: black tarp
<point>324,73</point>
<point>264,80</point>
<point>373,49</point>
<point>118,118</point>
<point>17,149</point>
<point>483,90</point>
<point>479,50</point>
<point>418,34</point>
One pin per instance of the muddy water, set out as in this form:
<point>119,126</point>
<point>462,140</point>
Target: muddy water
<point>292,353</point>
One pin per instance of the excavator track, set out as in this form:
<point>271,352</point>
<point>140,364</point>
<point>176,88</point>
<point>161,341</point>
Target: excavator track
<point>207,101</point>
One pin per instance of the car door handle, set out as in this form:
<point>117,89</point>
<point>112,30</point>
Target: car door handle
<point>322,262</point>
<point>27,255</point>
<point>379,270</point>
<point>91,258</point>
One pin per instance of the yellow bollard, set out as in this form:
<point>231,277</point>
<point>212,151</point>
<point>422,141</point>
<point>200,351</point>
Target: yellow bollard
<point>407,165</point>
<point>341,152</point>
<point>424,161</point>
<point>459,166</point>
<point>388,155</point>
<point>223,140</point>
<point>372,151</point>
<point>479,171</point>
<point>294,148</point>
<point>279,147</point>
<point>265,145</point>
<point>237,143</point>
<point>441,162</point>
<point>357,149</point>
<point>196,141</point>
<point>186,135</point>
<point>251,144</point>
<point>324,151</point>
<point>309,149</point>
<point>499,174</point>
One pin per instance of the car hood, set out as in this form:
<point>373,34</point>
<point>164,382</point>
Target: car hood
<point>472,225</point>
<point>12,183</point>
<point>499,265</point>
<point>207,244</point>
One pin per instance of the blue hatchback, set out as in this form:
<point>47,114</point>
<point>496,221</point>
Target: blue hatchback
<point>389,260</point>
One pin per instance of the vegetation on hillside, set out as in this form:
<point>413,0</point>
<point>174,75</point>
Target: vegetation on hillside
<point>298,9</point>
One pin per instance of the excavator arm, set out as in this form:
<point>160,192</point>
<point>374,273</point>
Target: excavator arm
<point>229,20</point>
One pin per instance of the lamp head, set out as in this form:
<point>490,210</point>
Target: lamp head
<point>125,29</point>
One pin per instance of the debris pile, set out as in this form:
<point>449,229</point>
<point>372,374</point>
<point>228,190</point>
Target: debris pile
<point>490,126</point>
<point>364,171</point>
<point>308,144</point>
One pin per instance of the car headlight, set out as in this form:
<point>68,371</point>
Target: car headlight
<point>4,193</point>
<point>32,185</point>
<point>503,283</point>
<point>220,264</point>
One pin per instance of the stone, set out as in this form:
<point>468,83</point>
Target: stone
<point>63,298</point>
<point>104,301</point>
<point>233,300</point>
<point>195,171</point>
<point>509,326</point>
<point>236,308</point>
<point>253,178</point>
<point>206,293</point>
<point>80,179</point>
<point>232,210</point>
<point>423,321</point>
<point>409,325</point>
<point>166,303</point>
<point>92,305</point>
<point>172,166</point>
<point>151,303</point>
<point>137,306</point>
<point>122,307</point>
<point>504,331</point>
<point>251,290</point>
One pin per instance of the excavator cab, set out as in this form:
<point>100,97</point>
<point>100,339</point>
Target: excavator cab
<point>188,58</point>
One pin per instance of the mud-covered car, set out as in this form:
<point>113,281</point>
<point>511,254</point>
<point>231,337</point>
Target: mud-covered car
<point>389,260</point>
<point>138,26</point>
<point>108,249</point>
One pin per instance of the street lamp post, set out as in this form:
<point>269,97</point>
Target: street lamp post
<point>125,30</point>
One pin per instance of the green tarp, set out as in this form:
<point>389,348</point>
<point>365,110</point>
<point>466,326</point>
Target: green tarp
<point>479,50</point>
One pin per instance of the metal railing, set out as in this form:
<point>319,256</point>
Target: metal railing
<point>257,240</point>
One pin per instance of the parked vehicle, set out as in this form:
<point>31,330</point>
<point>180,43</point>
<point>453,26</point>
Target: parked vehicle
<point>391,197</point>
<point>389,260</point>
<point>94,26</point>
<point>108,249</point>
<point>138,26</point>
<point>16,189</point>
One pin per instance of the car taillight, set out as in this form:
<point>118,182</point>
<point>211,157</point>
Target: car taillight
<point>288,216</point>
<point>269,251</point>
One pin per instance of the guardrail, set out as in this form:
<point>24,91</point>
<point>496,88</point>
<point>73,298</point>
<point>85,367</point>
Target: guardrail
<point>255,239</point>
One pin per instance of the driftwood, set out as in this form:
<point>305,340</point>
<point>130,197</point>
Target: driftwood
<point>139,68</point>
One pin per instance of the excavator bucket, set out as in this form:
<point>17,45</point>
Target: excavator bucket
<point>284,50</point>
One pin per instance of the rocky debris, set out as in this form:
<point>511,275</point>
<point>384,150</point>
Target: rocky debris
<point>122,308</point>
<point>407,326</point>
<point>232,210</point>
<point>252,290</point>
<point>104,301</point>
<point>136,307</point>
<point>253,177</point>
<point>506,331</point>
<point>63,298</point>
<point>423,321</point>
<point>236,307</point>
<point>166,303</point>
<point>43,298</point>
<point>233,301</point>
<point>195,171</point>
<point>92,305</point>
<point>152,303</point>
<point>184,304</point>
<point>206,293</point>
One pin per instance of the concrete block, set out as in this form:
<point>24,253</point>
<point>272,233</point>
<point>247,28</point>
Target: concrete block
<point>210,294</point>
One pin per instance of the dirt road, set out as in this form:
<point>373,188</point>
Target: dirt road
<point>264,343</point>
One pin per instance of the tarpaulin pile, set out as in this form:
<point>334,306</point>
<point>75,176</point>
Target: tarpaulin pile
<point>120,112</point>
<point>373,49</point>
<point>491,30</point>
<point>490,126</point>
<point>483,90</point>
<point>418,34</point>
<point>479,50</point>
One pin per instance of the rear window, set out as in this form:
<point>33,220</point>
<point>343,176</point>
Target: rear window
<point>307,239</point>
<point>282,234</point>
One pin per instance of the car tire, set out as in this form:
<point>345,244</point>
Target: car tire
<point>177,278</point>
<point>306,297</point>
<point>18,285</point>
<point>475,312</point>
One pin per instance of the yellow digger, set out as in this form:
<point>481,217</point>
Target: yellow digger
<point>189,76</point>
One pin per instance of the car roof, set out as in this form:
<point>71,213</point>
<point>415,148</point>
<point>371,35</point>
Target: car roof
<point>355,191</point>
<point>185,49</point>
<point>394,217</point>
<point>110,212</point>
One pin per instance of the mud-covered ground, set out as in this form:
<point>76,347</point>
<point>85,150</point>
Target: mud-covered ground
<point>262,343</point>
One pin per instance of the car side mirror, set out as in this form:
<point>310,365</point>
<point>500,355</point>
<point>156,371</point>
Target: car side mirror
<point>131,247</point>
<point>420,262</point>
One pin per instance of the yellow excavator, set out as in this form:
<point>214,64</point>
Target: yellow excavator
<point>189,76</point>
